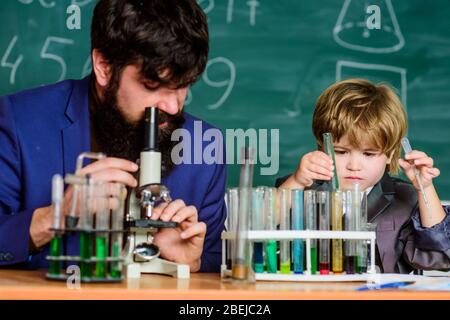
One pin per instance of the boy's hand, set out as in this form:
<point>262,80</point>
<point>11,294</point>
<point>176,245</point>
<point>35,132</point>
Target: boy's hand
<point>315,165</point>
<point>424,165</point>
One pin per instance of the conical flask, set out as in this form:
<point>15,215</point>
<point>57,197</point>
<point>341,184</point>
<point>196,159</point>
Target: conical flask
<point>368,26</point>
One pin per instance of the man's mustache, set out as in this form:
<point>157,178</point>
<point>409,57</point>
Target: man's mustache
<point>164,117</point>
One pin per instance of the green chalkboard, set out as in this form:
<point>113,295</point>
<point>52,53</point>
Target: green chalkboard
<point>269,61</point>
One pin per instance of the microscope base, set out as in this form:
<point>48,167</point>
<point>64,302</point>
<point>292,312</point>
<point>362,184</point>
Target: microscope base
<point>159,266</point>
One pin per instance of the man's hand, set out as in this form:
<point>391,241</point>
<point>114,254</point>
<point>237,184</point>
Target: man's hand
<point>183,244</point>
<point>107,170</point>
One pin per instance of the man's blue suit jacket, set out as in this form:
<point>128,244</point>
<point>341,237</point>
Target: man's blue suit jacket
<point>42,131</point>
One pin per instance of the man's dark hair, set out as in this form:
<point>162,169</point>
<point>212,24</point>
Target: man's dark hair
<point>158,35</point>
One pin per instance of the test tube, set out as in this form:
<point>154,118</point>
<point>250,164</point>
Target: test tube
<point>352,223</point>
<point>407,149</point>
<point>362,248</point>
<point>285,224</point>
<point>329,150</point>
<point>101,224</point>
<point>323,208</point>
<point>233,209</point>
<point>258,224</point>
<point>241,262</point>
<point>297,224</point>
<point>270,217</point>
<point>311,224</point>
<point>72,218</point>
<point>84,198</point>
<point>336,225</point>
<point>369,227</point>
<point>117,226</point>
<point>56,242</point>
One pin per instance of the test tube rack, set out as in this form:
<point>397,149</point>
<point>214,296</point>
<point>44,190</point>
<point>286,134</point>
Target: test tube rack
<point>86,263</point>
<point>306,235</point>
<point>98,258</point>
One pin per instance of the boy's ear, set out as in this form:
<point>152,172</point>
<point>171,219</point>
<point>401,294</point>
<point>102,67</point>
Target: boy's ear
<point>101,68</point>
<point>390,156</point>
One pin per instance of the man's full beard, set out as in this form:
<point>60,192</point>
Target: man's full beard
<point>118,137</point>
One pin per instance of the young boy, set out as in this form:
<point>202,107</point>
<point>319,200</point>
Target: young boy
<point>367,122</point>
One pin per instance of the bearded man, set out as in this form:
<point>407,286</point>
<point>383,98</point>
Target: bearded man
<point>144,53</point>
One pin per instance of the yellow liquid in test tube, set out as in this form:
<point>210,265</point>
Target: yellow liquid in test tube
<point>336,225</point>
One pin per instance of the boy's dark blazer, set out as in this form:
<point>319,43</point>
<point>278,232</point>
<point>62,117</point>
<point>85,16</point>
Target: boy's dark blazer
<point>402,244</point>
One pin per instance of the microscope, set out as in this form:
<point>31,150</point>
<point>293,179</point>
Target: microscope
<point>141,255</point>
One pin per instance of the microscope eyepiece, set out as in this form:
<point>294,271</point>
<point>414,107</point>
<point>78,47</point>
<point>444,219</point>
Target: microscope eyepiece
<point>151,129</point>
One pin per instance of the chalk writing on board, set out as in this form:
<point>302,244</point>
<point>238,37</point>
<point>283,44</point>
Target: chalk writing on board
<point>4,62</point>
<point>351,29</point>
<point>347,69</point>
<point>87,67</point>
<point>210,5</point>
<point>81,3</point>
<point>252,5</point>
<point>227,84</point>
<point>44,3</point>
<point>45,54</point>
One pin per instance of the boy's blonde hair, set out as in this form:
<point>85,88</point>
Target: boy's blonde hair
<point>359,108</point>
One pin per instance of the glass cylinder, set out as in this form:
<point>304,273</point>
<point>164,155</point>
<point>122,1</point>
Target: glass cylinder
<point>56,242</point>
<point>336,225</point>
<point>270,204</point>
<point>233,209</point>
<point>285,224</point>
<point>311,224</point>
<point>323,209</point>
<point>298,224</point>
<point>258,224</point>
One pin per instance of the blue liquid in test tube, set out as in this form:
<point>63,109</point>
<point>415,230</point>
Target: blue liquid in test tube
<point>298,224</point>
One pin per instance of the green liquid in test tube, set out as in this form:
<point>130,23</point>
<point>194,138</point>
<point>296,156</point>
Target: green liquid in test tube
<point>285,224</point>
<point>56,242</point>
<point>329,150</point>
<point>85,254</point>
<point>117,237</point>
<point>271,256</point>
<point>313,260</point>
<point>101,252</point>
<point>86,222</point>
<point>102,223</point>
<point>270,212</point>
<point>115,270</point>
<point>55,251</point>
<point>311,224</point>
